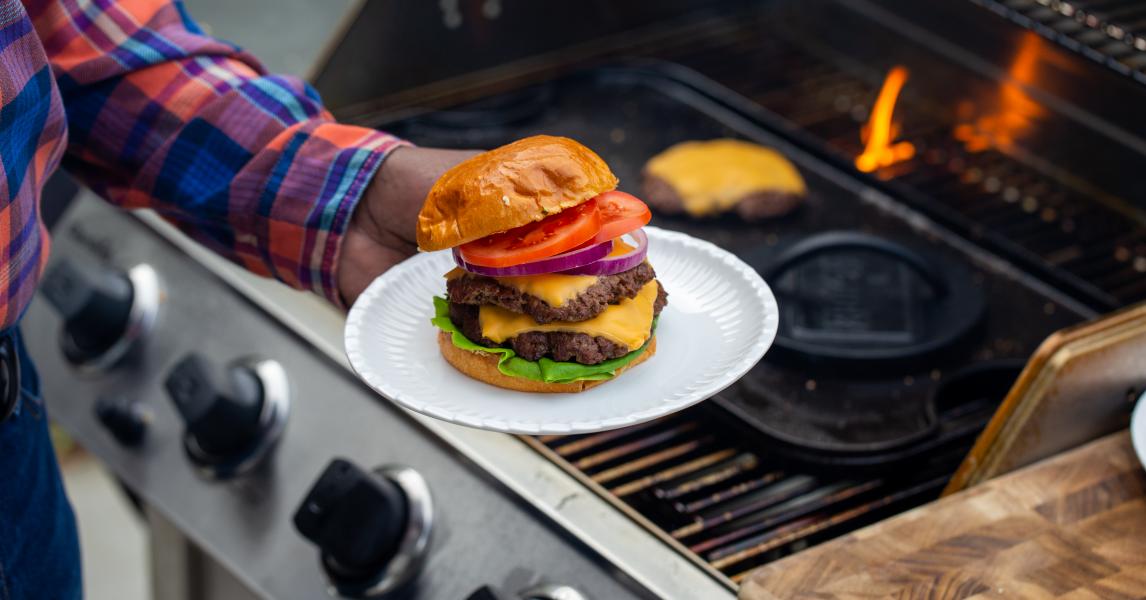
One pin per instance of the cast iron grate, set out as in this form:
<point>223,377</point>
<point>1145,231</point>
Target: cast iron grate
<point>729,501</point>
<point>1111,32</point>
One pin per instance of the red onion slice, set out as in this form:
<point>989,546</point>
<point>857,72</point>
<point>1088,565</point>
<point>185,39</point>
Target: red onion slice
<point>616,264</point>
<point>578,257</point>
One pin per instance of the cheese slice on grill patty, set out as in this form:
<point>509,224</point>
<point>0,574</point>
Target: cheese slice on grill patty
<point>628,322</point>
<point>713,176</point>
<point>552,288</point>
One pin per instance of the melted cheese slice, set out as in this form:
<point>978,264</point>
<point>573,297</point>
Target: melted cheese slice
<point>627,323</point>
<point>553,289</point>
<point>711,177</point>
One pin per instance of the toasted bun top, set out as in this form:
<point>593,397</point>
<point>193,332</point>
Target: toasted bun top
<point>508,187</point>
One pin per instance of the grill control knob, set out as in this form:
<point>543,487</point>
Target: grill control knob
<point>489,592</point>
<point>372,528</point>
<point>105,311</point>
<point>232,415</point>
<point>126,420</point>
<point>545,591</point>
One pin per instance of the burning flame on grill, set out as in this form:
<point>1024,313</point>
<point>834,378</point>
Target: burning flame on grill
<point>1016,112</point>
<point>880,130</point>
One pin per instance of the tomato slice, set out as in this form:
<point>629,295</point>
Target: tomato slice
<point>561,232</point>
<point>620,214</point>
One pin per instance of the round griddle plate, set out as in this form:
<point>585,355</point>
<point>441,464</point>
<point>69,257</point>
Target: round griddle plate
<point>841,416</point>
<point>955,409</point>
<point>858,316</point>
<point>859,304</point>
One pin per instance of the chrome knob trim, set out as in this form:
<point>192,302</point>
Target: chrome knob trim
<point>552,591</point>
<point>411,553</point>
<point>272,422</point>
<point>146,295</point>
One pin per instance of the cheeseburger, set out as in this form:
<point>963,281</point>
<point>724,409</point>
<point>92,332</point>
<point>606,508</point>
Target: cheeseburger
<point>551,292</point>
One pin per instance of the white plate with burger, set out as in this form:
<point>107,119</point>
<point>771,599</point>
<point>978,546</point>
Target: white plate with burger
<point>535,307</point>
<point>1138,429</point>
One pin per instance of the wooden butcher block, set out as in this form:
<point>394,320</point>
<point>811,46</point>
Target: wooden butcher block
<point>1073,526</point>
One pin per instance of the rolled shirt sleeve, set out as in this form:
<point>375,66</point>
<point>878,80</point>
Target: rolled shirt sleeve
<point>161,116</point>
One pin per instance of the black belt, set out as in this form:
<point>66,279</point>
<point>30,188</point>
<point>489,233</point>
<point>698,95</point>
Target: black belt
<point>9,376</point>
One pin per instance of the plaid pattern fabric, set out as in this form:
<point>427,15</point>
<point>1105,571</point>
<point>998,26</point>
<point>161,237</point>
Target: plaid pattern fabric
<point>149,112</point>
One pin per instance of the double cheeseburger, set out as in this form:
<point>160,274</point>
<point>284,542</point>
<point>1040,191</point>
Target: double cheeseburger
<point>552,292</point>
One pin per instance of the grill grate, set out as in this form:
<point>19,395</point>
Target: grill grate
<point>724,498</point>
<point>1110,32</point>
<point>1041,216</point>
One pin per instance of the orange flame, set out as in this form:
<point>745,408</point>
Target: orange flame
<point>1016,112</point>
<point>879,131</point>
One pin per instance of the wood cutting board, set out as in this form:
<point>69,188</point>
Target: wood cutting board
<point>1073,526</point>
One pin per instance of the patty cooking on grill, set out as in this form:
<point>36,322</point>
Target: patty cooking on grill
<point>609,289</point>
<point>560,346</point>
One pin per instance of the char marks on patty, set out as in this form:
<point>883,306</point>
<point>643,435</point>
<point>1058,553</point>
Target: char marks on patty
<point>609,289</point>
<point>558,345</point>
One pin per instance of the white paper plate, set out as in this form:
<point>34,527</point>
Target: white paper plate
<point>1138,429</point>
<point>720,319</point>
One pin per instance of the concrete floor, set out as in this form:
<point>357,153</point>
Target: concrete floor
<point>113,538</point>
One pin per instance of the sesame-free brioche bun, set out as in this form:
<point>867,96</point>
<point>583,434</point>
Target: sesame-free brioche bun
<point>510,186</point>
<point>483,367</point>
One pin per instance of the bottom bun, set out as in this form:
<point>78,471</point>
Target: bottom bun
<point>483,367</point>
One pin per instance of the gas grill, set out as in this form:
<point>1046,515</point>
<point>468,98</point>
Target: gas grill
<point>797,453</point>
<point>1004,203</point>
<point>768,467</point>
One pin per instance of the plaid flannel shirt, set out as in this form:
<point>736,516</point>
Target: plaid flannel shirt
<point>149,112</point>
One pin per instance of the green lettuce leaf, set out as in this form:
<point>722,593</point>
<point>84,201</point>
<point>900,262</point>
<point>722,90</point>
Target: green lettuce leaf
<point>549,371</point>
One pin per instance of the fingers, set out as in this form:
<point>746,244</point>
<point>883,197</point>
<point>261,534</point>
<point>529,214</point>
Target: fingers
<point>403,183</point>
<point>382,228</point>
<point>362,258</point>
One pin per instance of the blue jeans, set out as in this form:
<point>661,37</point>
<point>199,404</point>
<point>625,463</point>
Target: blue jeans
<point>39,547</point>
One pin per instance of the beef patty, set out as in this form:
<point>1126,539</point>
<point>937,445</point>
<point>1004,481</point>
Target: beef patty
<point>609,289</point>
<point>558,345</point>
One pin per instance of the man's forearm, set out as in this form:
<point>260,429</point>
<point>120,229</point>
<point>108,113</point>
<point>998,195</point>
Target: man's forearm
<point>381,232</point>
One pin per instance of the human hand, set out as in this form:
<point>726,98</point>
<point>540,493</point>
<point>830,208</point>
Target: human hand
<point>381,230</point>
